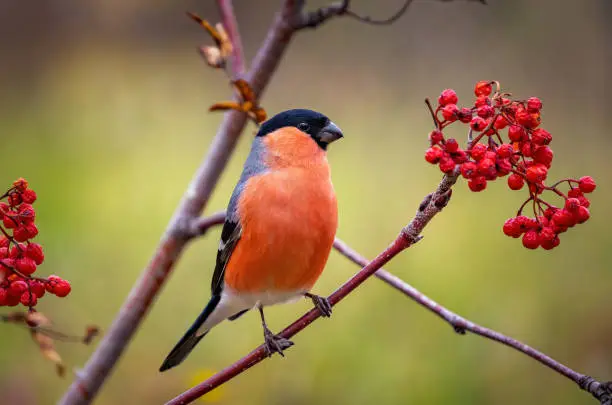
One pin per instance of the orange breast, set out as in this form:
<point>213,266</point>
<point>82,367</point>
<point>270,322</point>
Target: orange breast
<point>289,219</point>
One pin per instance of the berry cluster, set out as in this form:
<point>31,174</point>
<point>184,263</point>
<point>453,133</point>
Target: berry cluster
<point>505,140</point>
<point>19,257</point>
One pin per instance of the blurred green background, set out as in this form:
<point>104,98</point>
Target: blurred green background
<point>103,108</point>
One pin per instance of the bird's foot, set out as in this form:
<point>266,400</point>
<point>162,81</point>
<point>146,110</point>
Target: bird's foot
<point>275,344</point>
<point>321,303</point>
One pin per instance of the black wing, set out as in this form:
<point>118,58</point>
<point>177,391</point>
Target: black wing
<point>229,238</point>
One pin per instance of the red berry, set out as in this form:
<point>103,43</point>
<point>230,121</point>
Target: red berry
<point>17,288</point>
<point>37,288</point>
<point>546,234</point>
<point>503,166</point>
<point>505,150</point>
<point>14,199</point>
<point>574,193</point>
<point>26,213</point>
<point>531,239</point>
<point>485,111</point>
<point>32,230</point>
<point>433,155</point>
<point>536,173</point>
<point>62,288</point>
<point>451,145</point>
<point>547,245</point>
<point>9,220</point>
<point>482,100</point>
<point>534,104</point>
<point>572,204</point>
<point>449,112</point>
<point>20,184</point>
<point>478,124</point>
<point>486,167</point>
<point>4,242</point>
<point>586,184</point>
<point>544,155</point>
<point>515,181</point>
<point>448,96</point>
<point>478,151</point>
<point>582,214</point>
<point>500,122</point>
<point>4,253</point>
<point>28,196</point>
<point>447,164</point>
<point>541,137</point>
<point>584,201</point>
<point>21,234</point>
<point>25,265</point>
<point>527,149</point>
<point>464,115</point>
<point>16,251</point>
<point>512,228</point>
<point>563,218</point>
<point>435,137</point>
<point>483,88</point>
<point>477,183</point>
<point>516,133</point>
<point>469,170</point>
<point>527,119</point>
<point>34,251</point>
<point>459,156</point>
<point>28,299</point>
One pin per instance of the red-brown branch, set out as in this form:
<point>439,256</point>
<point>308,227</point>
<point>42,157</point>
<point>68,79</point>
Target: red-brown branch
<point>89,380</point>
<point>410,234</point>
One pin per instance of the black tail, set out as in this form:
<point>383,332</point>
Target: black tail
<point>191,338</point>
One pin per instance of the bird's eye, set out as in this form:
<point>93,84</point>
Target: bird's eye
<point>302,126</point>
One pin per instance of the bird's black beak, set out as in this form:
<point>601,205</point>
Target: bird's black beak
<point>330,133</point>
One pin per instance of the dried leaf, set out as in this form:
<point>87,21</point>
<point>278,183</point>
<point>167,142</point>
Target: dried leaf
<point>216,36</point>
<point>225,105</point>
<point>47,348</point>
<point>244,89</point>
<point>213,56</point>
<point>225,46</point>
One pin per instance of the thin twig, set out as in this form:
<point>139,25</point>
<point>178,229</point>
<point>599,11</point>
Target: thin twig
<point>386,21</point>
<point>410,234</point>
<point>599,390</point>
<point>226,10</point>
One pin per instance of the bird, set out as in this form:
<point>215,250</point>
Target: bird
<point>279,229</point>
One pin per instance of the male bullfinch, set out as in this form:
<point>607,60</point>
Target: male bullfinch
<point>279,230</point>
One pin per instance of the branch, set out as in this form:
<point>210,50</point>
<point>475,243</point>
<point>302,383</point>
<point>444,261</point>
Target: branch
<point>226,9</point>
<point>89,380</point>
<point>601,391</point>
<point>409,235</point>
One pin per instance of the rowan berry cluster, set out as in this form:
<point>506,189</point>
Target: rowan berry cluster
<point>505,139</point>
<point>19,256</point>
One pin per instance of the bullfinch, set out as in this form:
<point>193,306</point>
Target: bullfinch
<point>279,229</point>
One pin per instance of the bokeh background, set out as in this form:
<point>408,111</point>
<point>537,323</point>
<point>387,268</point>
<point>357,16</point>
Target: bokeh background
<point>103,108</point>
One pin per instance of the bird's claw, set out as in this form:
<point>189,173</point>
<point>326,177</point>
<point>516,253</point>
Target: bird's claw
<point>322,304</point>
<point>275,344</point>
